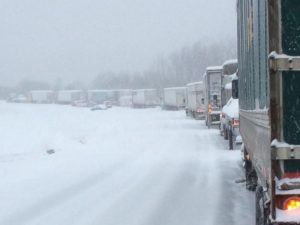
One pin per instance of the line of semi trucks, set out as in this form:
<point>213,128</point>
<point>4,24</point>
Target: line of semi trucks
<point>210,99</point>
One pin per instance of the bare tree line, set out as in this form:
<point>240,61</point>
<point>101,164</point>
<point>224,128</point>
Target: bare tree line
<point>176,69</point>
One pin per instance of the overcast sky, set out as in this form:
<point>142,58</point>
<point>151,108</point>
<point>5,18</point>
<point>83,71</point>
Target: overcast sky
<point>76,39</point>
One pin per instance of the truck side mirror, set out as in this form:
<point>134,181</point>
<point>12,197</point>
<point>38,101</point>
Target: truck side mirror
<point>235,89</point>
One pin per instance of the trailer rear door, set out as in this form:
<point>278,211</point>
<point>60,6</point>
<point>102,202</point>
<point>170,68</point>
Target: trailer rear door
<point>291,79</point>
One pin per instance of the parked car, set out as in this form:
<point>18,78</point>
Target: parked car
<point>108,104</point>
<point>99,107</point>
<point>81,103</point>
<point>18,99</point>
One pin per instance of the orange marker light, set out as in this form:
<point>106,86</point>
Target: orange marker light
<point>292,203</point>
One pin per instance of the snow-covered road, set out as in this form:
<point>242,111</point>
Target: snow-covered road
<point>116,167</point>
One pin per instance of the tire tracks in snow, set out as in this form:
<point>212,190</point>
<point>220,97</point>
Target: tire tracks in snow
<point>54,200</point>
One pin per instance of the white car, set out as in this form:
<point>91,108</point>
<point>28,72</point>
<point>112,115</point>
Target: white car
<point>230,122</point>
<point>99,107</point>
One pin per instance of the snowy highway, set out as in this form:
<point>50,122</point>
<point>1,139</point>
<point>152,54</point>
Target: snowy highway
<point>119,166</point>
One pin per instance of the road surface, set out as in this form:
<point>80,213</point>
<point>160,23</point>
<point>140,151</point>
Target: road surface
<point>116,167</point>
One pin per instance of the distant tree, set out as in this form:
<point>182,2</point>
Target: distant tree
<point>176,69</point>
<point>27,85</point>
<point>76,85</point>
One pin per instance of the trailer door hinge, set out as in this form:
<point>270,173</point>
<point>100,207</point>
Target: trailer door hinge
<point>282,62</point>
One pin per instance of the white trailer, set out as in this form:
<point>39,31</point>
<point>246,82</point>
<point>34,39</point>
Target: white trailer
<point>41,96</point>
<point>97,96</point>
<point>124,97</point>
<point>101,96</point>
<point>143,98</point>
<point>69,96</point>
<point>174,98</point>
<point>213,88</point>
<point>195,106</point>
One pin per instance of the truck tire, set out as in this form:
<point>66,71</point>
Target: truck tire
<point>230,138</point>
<point>225,134</point>
<point>251,177</point>
<point>261,213</point>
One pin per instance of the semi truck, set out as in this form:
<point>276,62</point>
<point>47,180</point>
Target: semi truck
<point>229,69</point>
<point>124,97</point>
<point>229,126</point>
<point>145,98</point>
<point>213,88</point>
<point>195,106</point>
<point>174,98</point>
<point>269,99</point>
<point>41,96</point>
<point>99,96</point>
<point>69,96</point>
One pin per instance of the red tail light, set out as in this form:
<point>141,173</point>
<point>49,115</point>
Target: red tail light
<point>236,123</point>
<point>292,203</point>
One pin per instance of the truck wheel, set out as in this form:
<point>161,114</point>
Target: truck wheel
<point>230,137</point>
<point>225,134</point>
<point>261,212</point>
<point>251,177</point>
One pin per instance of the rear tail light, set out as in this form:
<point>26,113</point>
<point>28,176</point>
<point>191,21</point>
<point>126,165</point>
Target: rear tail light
<point>292,203</point>
<point>236,123</point>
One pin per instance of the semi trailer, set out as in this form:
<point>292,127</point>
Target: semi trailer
<point>41,96</point>
<point>269,99</point>
<point>145,98</point>
<point>174,98</point>
<point>195,106</point>
<point>213,88</point>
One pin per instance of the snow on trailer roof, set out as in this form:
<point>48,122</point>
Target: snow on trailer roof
<point>194,83</point>
<point>41,91</point>
<point>147,89</point>
<point>213,68</point>
<point>100,91</point>
<point>230,61</point>
<point>72,91</point>
<point>175,88</point>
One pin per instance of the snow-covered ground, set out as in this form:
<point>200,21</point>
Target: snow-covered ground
<point>116,167</point>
